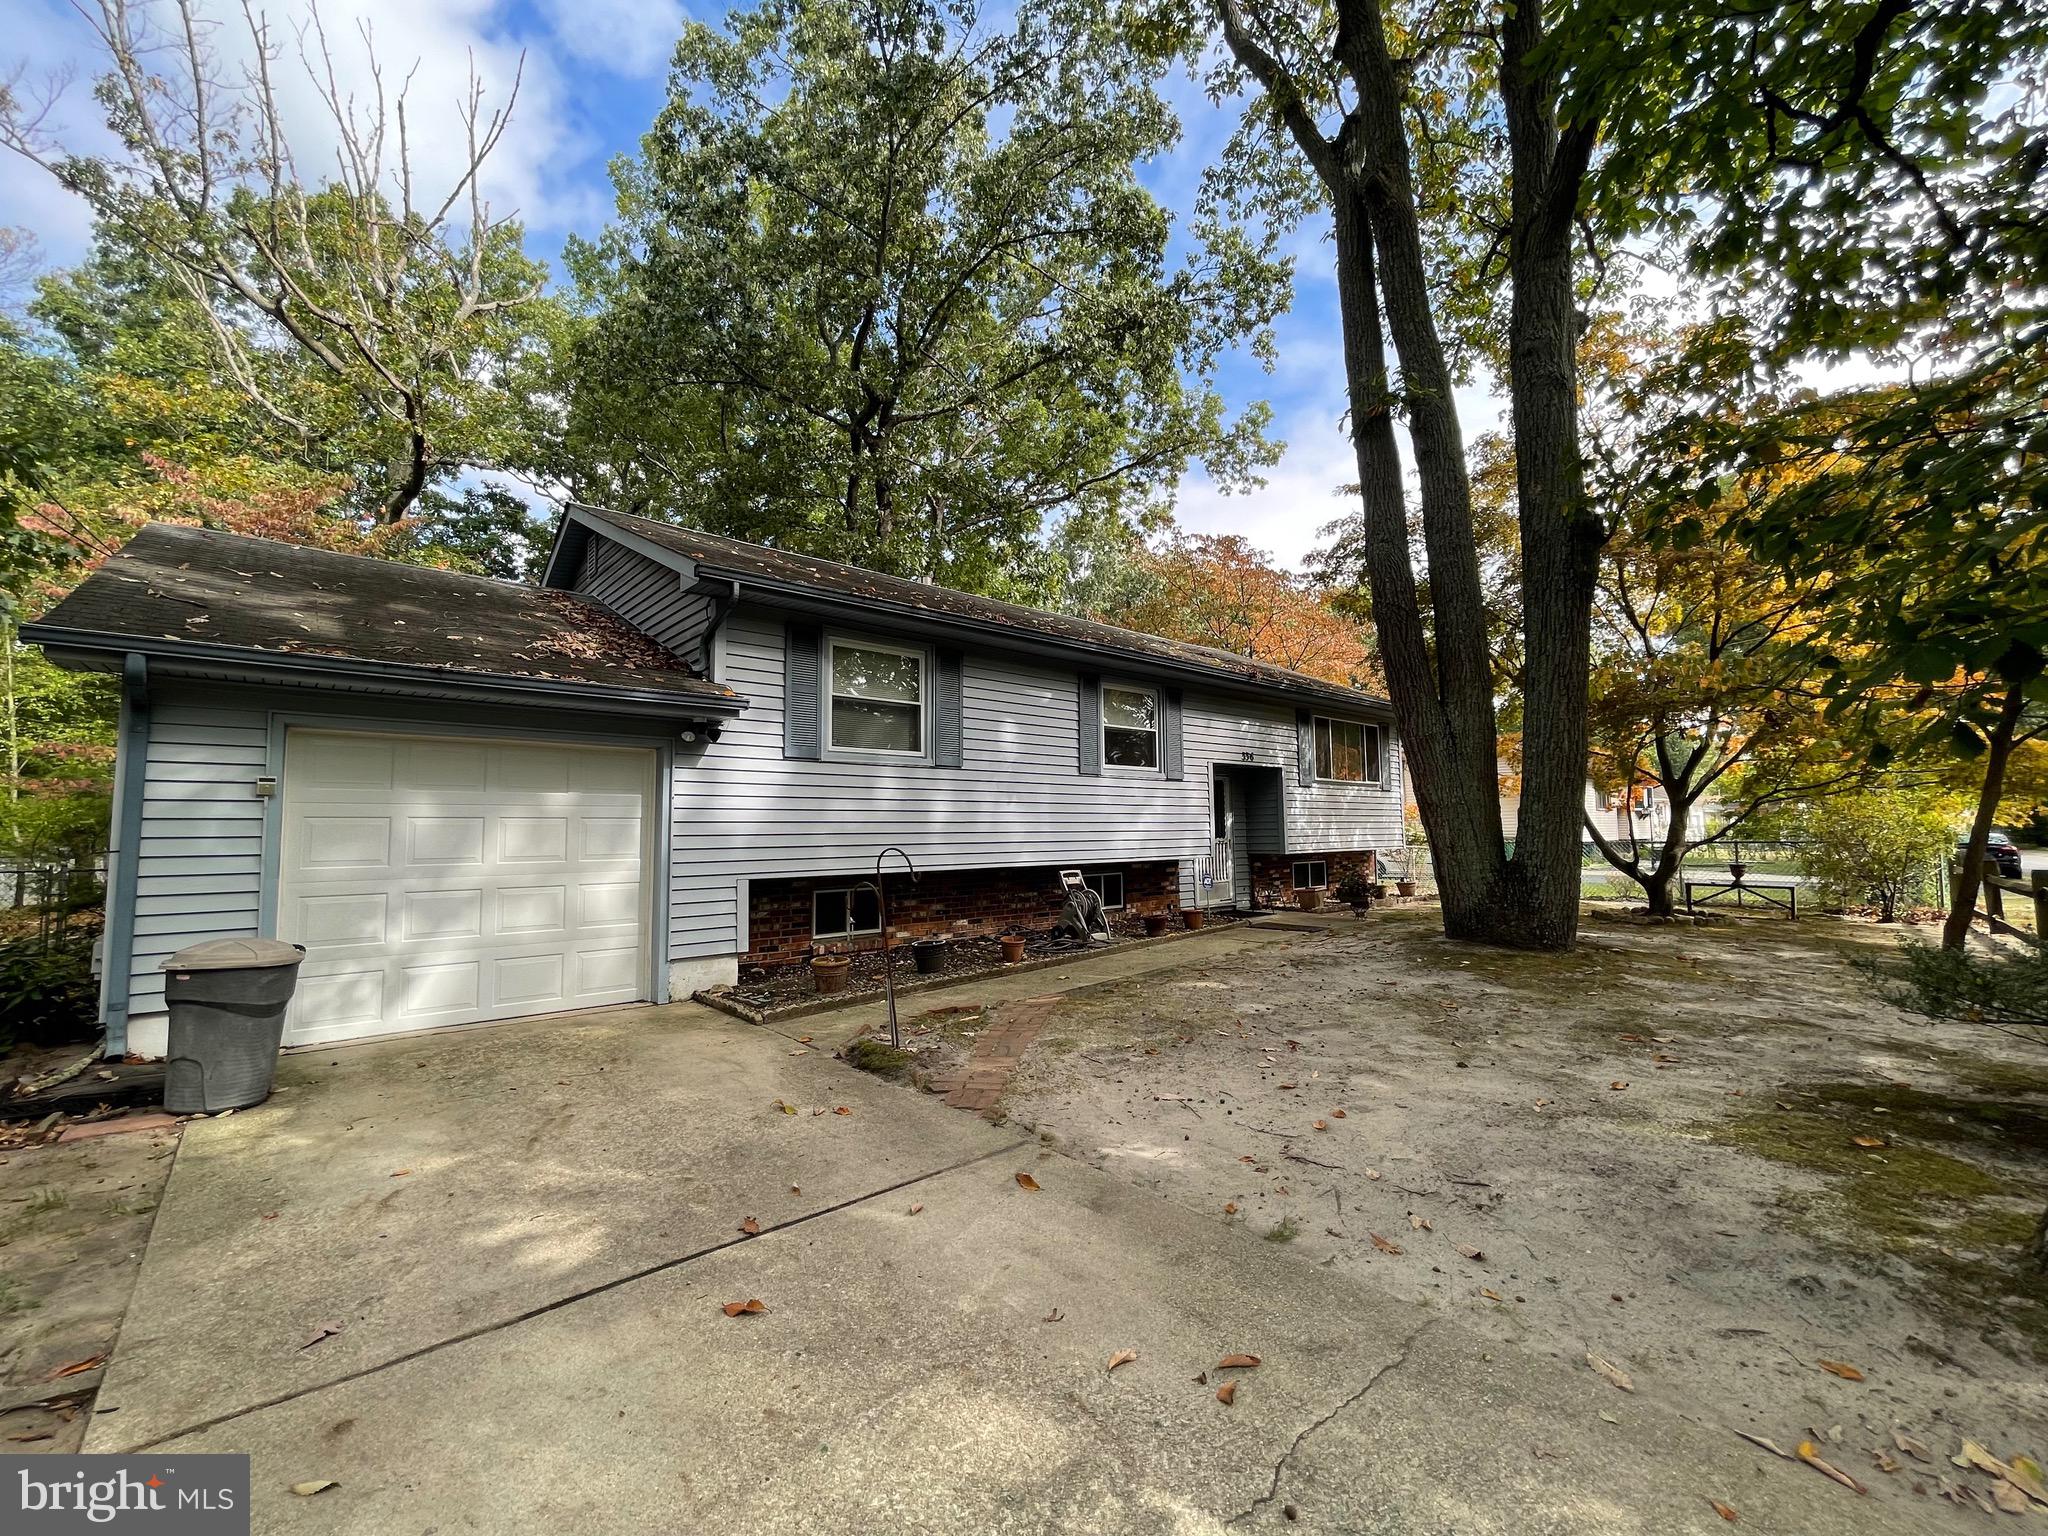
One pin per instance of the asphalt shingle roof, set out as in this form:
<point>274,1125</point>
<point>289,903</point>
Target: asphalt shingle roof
<point>734,557</point>
<point>198,585</point>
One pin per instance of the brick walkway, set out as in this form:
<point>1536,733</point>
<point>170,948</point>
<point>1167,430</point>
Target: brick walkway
<point>1012,1028</point>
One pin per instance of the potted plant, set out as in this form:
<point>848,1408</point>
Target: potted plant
<point>930,954</point>
<point>1155,923</point>
<point>1013,947</point>
<point>829,971</point>
<point>1310,899</point>
<point>1405,886</point>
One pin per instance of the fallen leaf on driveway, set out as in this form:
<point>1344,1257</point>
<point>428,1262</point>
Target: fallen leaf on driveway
<point>1974,1455</point>
<point>1842,1369</point>
<point>2024,1473</point>
<point>1491,1295</point>
<point>1025,1181</point>
<point>401,1173</point>
<point>1614,1373</point>
<point>1290,1085</point>
<point>751,1226</point>
<point>787,1109</point>
<point>1477,1256</point>
<point>1617,1085</point>
<point>1230,1209</point>
<point>1237,1362</point>
<point>1336,1114</point>
<point>1809,1453</point>
<point>743,1308</point>
<point>1383,1244</point>
<point>1420,1224</point>
<point>33,1436</point>
<point>842,1110</point>
<point>915,1209</point>
<point>317,1485</point>
<point>1320,1125</point>
<point>795,1190</point>
<point>1726,1512</point>
<point>1121,1357</point>
<point>1868,1141</point>
<point>1227,1394</point>
<point>1054,1316</point>
<point>1770,1445</point>
<point>324,1331</point>
<point>77,1368</point>
<point>2009,1498</point>
<point>803,1039</point>
<point>1917,1449</point>
<point>1373,1174</point>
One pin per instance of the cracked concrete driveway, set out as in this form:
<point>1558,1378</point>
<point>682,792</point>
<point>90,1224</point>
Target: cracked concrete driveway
<point>525,1234</point>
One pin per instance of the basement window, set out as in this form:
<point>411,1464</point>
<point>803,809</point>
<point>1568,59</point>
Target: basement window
<point>838,914</point>
<point>1311,875</point>
<point>1108,884</point>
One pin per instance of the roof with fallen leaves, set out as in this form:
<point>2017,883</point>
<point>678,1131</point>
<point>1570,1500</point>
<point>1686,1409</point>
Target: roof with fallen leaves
<point>201,586</point>
<point>831,578</point>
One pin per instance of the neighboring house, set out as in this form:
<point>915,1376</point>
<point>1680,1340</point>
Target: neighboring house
<point>1645,814</point>
<point>680,754</point>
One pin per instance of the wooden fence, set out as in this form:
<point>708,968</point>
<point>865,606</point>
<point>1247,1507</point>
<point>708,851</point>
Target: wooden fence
<point>1992,895</point>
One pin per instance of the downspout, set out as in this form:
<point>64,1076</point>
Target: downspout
<point>131,773</point>
<point>722,606</point>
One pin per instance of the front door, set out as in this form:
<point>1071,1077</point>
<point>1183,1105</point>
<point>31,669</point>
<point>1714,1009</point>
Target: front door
<point>1222,835</point>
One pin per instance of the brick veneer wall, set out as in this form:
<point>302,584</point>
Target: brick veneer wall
<point>1274,872</point>
<point>974,902</point>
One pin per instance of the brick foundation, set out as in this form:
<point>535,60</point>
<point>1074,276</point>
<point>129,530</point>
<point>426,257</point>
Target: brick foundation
<point>1273,873</point>
<point>969,902</point>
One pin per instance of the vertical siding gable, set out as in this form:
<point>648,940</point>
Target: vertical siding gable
<point>648,595</point>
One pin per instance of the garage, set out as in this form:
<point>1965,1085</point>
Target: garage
<point>440,880</point>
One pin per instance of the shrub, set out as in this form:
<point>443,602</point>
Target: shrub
<point>1878,846</point>
<point>47,995</point>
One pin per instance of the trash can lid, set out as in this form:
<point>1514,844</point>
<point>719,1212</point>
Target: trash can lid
<point>235,955</point>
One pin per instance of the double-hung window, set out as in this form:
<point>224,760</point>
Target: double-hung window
<point>1130,727</point>
<point>875,698</point>
<point>1347,752</point>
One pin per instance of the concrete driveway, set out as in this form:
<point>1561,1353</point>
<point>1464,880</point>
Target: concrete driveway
<point>525,1235</point>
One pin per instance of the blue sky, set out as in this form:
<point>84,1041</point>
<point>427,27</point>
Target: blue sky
<point>594,77</point>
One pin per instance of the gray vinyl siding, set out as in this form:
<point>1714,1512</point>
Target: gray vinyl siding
<point>199,870</point>
<point>648,595</point>
<point>742,809</point>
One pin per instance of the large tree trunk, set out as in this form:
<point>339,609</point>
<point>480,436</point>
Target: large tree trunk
<point>2037,1248</point>
<point>1963,901</point>
<point>1561,535</point>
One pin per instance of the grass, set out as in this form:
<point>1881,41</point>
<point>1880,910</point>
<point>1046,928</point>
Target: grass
<point>873,1056</point>
<point>1286,1230</point>
<point>44,1200</point>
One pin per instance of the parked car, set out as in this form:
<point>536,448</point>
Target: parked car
<point>2001,854</point>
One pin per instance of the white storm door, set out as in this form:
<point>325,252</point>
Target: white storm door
<point>448,880</point>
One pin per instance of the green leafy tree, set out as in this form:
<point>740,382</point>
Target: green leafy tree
<point>368,319</point>
<point>886,287</point>
<point>1877,846</point>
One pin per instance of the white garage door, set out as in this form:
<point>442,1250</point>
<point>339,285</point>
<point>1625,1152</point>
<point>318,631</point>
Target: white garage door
<point>443,880</point>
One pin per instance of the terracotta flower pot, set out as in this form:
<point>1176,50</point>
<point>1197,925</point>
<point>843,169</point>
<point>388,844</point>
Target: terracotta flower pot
<point>1194,917</point>
<point>829,973</point>
<point>1155,924</point>
<point>1013,947</point>
<point>1405,887</point>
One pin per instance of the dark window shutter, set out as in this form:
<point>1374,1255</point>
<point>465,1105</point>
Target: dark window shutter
<point>949,740</point>
<point>1169,733</point>
<point>801,644</point>
<point>1089,744</point>
<point>1305,741</point>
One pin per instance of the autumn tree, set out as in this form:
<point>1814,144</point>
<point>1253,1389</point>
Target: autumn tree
<point>886,286</point>
<point>367,317</point>
<point>1218,590</point>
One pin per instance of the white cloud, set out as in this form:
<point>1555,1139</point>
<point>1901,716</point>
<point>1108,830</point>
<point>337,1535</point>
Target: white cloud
<point>626,37</point>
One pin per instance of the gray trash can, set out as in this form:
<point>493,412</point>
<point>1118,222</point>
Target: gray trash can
<point>227,999</point>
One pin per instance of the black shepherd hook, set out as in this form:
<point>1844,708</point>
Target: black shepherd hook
<point>888,949</point>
